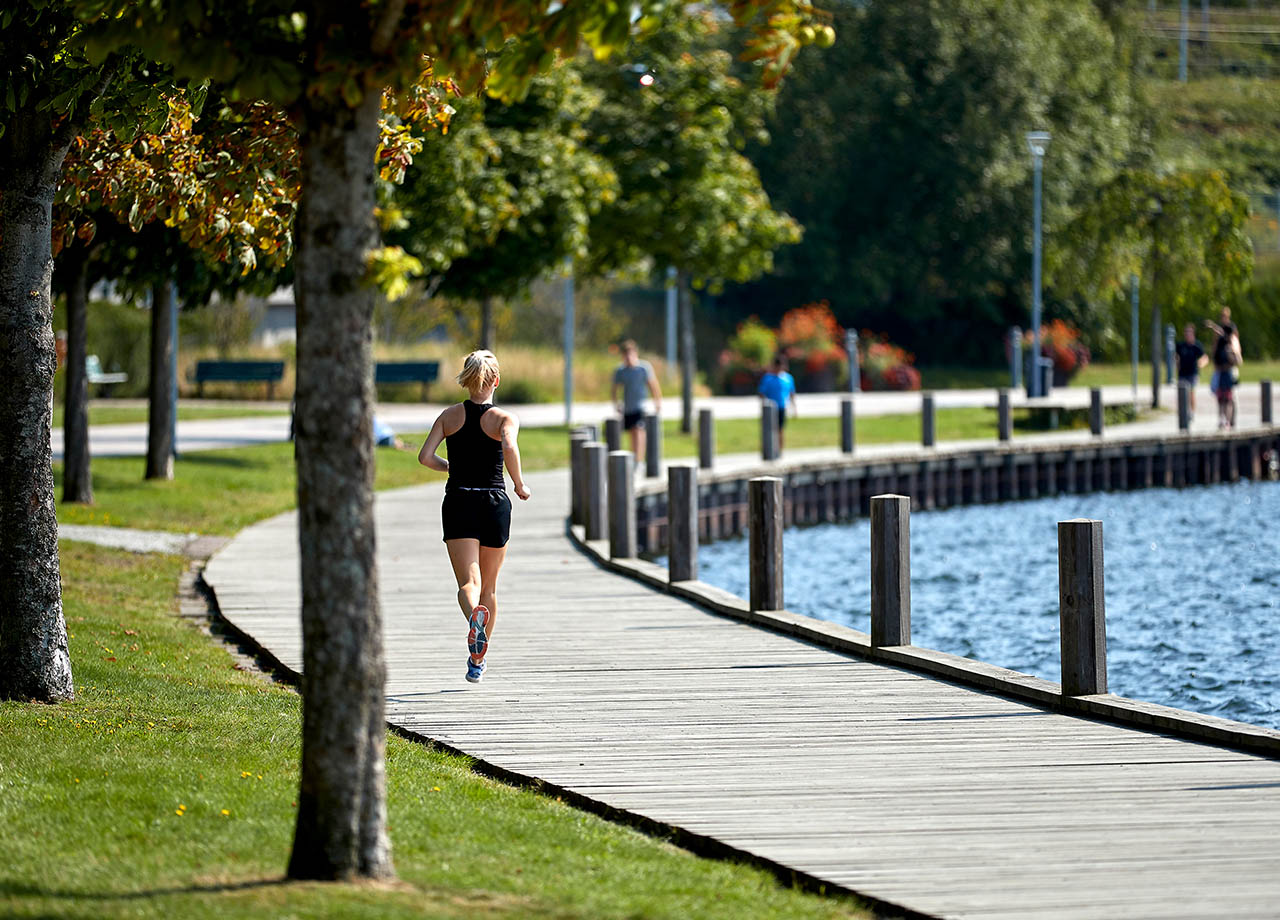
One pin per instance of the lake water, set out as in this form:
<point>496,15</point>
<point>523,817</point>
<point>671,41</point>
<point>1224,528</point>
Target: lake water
<point>1192,588</point>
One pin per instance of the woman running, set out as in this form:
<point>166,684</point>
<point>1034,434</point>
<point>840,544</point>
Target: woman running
<point>476,511</point>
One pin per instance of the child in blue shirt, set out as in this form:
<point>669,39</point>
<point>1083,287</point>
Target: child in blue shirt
<point>779,388</point>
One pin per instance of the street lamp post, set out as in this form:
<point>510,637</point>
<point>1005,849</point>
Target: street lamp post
<point>1037,143</point>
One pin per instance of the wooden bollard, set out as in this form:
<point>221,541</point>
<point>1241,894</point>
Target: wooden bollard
<point>1081,612</point>
<point>613,434</point>
<point>682,522</point>
<point>595,459</point>
<point>706,439</point>
<point>1266,403</point>
<point>928,421</point>
<point>1184,406</point>
<point>652,446</point>
<point>764,525</point>
<point>890,570</point>
<point>1095,410</point>
<point>577,477</point>
<point>622,505</point>
<point>1005,414</point>
<point>846,424</point>
<point>768,430</point>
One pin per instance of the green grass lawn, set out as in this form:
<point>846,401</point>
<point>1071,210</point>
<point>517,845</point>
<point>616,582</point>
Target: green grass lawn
<point>1094,375</point>
<point>119,415</point>
<point>167,789</point>
<point>223,491</point>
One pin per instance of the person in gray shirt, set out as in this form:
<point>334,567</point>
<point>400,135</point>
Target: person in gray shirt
<point>637,380</point>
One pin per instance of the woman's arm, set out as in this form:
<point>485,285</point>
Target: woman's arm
<point>511,454</point>
<point>427,456</point>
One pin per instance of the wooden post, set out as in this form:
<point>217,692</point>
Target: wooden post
<point>1266,403</point>
<point>652,446</point>
<point>682,522</point>
<point>928,421</point>
<point>1080,607</point>
<point>622,506</point>
<point>1184,406</point>
<point>846,424</point>
<point>597,510</point>
<point>613,434</point>
<point>706,439</point>
<point>1006,415</point>
<point>764,503</point>
<point>890,570</point>
<point>1095,410</point>
<point>768,430</point>
<point>577,477</point>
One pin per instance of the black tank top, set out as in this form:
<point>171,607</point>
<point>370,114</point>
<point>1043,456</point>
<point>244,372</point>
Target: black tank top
<point>475,459</point>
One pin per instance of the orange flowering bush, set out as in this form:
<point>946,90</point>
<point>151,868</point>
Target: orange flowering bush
<point>813,341</point>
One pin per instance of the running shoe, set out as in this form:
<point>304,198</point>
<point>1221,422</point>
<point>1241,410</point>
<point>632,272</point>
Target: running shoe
<point>475,671</point>
<point>477,638</point>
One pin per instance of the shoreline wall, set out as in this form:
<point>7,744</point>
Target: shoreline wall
<point>840,489</point>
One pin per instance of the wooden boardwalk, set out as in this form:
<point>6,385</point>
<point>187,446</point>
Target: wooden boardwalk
<point>920,793</point>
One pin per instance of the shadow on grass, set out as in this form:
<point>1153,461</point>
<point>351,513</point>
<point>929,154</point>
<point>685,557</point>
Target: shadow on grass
<point>22,889</point>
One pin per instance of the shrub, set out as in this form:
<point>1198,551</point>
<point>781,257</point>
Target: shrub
<point>749,350</point>
<point>814,342</point>
<point>886,366</point>
<point>1061,342</point>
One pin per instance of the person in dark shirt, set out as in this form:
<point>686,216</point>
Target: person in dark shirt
<point>1191,357</point>
<point>476,514</point>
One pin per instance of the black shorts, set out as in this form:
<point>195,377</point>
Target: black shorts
<point>477,514</point>
<point>632,420</point>
<point>782,418</point>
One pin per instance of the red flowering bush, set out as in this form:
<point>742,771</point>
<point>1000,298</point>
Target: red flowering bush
<point>886,366</point>
<point>1061,342</point>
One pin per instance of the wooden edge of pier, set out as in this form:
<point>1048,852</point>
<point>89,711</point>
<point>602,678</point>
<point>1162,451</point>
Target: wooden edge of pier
<point>1004,682</point>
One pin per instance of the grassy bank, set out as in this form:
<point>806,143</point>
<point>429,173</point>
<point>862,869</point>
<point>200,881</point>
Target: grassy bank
<point>260,480</point>
<point>166,789</point>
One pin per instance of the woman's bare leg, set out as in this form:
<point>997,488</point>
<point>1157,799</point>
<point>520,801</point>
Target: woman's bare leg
<point>464,555</point>
<point>491,559</point>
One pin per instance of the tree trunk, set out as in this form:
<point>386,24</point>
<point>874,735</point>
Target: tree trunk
<point>34,662</point>
<point>77,482</point>
<point>487,337</point>
<point>160,408</point>
<point>686,352</point>
<point>341,828</point>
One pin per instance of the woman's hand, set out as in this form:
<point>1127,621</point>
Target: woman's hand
<point>522,491</point>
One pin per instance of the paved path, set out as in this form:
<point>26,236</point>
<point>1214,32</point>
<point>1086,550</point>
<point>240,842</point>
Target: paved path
<point>130,440</point>
<point>924,794</point>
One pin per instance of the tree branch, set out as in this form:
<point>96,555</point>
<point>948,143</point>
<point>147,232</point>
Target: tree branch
<point>386,27</point>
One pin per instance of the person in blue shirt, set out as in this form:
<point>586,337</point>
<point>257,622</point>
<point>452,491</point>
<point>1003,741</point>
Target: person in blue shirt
<point>779,388</point>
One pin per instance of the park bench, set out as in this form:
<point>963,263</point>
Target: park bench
<point>97,376</point>
<point>423,372</point>
<point>268,372</point>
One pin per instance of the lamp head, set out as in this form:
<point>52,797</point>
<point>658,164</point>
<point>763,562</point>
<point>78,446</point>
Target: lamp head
<point>1037,142</point>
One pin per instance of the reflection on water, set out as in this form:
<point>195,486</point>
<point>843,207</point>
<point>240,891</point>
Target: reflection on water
<point>1192,588</point>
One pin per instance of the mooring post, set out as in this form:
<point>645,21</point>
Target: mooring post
<point>1184,406</point>
<point>1005,414</point>
<point>890,570</point>
<point>768,430</point>
<point>613,434</point>
<point>846,424</point>
<point>682,522</point>
<point>706,439</point>
<point>1095,410</point>
<point>577,476</point>
<point>1082,615</point>
<point>595,456</point>
<point>928,421</point>
<point>622,506</point>
<point>652,446</point>
<point>1266,403</point>
<point>764,528</point>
